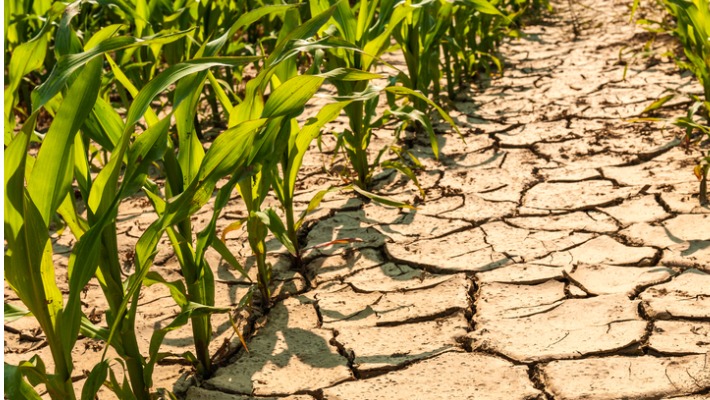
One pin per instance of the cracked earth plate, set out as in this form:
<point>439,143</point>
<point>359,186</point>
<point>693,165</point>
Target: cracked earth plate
<point>601,250</point>
<point>345,307</point>
<point>556,331</point>
<point>467,376</point>
<point>461,251</point>
<point>572,196</point>
<point>680,337</point>
<point>686,296</point>
<point>373,348</point>
<point>632,378</point>
<point>607,279</point>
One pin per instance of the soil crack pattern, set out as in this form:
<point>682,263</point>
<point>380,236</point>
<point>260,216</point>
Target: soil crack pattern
<point>560,252</point>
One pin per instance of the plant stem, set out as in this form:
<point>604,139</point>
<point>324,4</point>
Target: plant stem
<point>291,226</point>
<point>112,286</point>
<point>359,162</point>
<point>201,329</point>
<point>447,70</point>
<point>196,293</point>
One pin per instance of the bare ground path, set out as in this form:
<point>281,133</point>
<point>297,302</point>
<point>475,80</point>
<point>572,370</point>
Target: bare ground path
<point>560,253</point>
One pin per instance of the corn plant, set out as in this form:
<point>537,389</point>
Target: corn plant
<point>697,135</point>
<point>183,167</point>
<point>367,34</point>
<point>691,25</point>
<point>473,37</point>
<point>64,153</point>
<point>692,28</point>
<point>286,101</point>
<point>357,40</point>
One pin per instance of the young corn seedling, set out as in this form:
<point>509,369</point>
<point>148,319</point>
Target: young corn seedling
<point>367,35</point>
<point>420,38</point>
<point>61,160</point>
<point>285,102</point>
<point>692,28</point>
<point>294,141</point>
<point>183,168</point>
<point>357,40</point>
<point>697,134</point>
<point>470,46</point>
<point>96,246</point>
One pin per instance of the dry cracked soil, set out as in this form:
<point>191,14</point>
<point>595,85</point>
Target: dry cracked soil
<point>561,252</point>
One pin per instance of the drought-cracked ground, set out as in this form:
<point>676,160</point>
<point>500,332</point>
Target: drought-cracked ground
<point>561,252</point>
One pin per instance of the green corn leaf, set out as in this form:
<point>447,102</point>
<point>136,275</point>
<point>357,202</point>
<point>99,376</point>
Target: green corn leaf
<point>227,255</point>
<point>406,171</point>
<point>292,96</point>
<point>375,47</point>
<point>220,93</point>
<point>65,40</point>
<point>104,125</point>
<point>657,104</point>
<point>177,288</point>
<point>85,254</point>
<point>410,114</point>
<point>305,136</point>
<point>90,330</point>
<point>346,20</point>
<point>273,139</point>
<point>228,149</point>
<point>277,227</point>
<point>121,390</point>
<point>94,381</point>
<point>52,175</point>
<point>26,58</point>
<point>381,199</point>
<point>82,174</point>
<point>15,387</point>
<point>206,237</point>
<point>363,18</point>
<point>144,254</point>
<point>15,164</point>
<point>350,74</point>
<point>29,269</point>
<point>172,74</point>
<point>253,104</point>
<point>36,372</point>
<point>409,92</point>
<point>314,203</point>
<point>103,34</point>
<point>308,29</point>
<point>245,20</point>
<point>67,65</point>
<point>485,7</point>
<point>14,312</point>
<point>150,116</point>
<point>190,153</point>
<point>146,149</point>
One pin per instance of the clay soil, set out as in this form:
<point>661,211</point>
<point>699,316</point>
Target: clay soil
<point>560,253</point>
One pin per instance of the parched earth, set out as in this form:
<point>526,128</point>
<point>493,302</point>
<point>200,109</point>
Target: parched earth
<point>561,252</point>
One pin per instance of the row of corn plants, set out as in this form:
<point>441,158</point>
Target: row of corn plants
<point>689,22</point>
<point>102,100</point>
